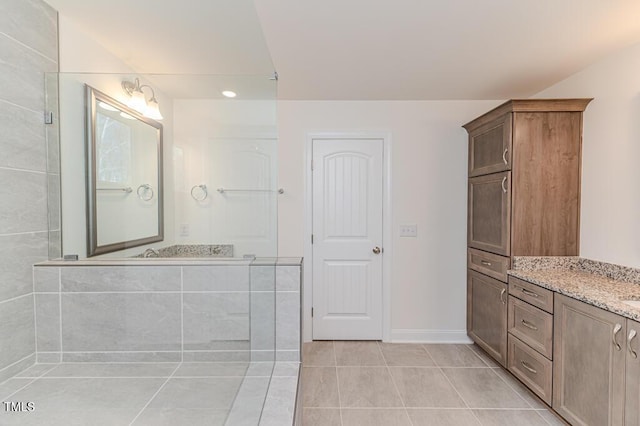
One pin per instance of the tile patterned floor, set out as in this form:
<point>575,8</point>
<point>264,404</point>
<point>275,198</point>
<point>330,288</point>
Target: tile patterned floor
<point>153,394</point>
<point>374,383</point>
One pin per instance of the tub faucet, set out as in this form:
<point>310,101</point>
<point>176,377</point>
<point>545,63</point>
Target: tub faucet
<point>151,252</point>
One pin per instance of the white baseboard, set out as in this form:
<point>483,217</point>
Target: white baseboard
<point>429,336</point>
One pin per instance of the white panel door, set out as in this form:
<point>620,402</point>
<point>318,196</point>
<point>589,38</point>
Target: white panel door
<point>347,239</point>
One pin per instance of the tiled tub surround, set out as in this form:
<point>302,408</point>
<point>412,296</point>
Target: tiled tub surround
<point>168,310</point>
<point>195,250</point>
<point>597,283</point>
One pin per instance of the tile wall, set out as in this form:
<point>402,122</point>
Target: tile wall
<point>28,50</point>
<point>176,312</point>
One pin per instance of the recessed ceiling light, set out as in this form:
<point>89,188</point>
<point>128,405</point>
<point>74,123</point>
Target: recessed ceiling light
<point>229,93</point>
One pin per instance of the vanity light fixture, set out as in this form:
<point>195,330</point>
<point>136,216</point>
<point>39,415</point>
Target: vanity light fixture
<point>150,107</point>
<point>229,93</point>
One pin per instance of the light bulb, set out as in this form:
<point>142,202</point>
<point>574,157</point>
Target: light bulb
<point>137,101</point>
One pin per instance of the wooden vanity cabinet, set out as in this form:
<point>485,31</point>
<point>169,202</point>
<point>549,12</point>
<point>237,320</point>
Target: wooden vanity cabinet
<point>632,374</point>
<point>523,196</point>
<point>487,314</point>
<point>590,353</point>
<point>530,336</point>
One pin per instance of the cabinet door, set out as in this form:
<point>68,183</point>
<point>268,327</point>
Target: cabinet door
<point>632,405</point>
<point>588,363</point>
<point>489,213</point>
<point>487,314</point>
<point>490,147</point>
<point>546,184</point>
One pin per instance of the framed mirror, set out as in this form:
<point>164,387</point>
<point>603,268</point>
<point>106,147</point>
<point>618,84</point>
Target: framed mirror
<point>124,176</point>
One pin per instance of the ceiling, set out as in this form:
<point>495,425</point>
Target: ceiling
<point>366,49</point>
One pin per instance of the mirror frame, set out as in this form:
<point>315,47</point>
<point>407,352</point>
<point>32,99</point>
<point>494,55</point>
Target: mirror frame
<point>93,96</point>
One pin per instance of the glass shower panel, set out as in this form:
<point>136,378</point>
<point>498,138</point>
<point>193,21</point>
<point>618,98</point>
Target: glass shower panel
<point>219,164</point>
<point>225,164</point>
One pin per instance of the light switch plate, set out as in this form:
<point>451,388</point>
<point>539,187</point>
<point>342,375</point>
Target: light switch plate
<point>410,230</point>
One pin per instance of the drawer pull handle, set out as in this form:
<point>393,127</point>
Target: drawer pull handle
<point>528,367</point>
<point>616,330</point>
<point>484,262</point>
<point>529,325</point>
<point>504,156</point>
<point>530,293</point>
<point>504,188</point>
<point>504,302</point>
<point>632,335</point>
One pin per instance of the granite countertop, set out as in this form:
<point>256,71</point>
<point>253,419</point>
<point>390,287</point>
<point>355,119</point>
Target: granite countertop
<point>602,286</point>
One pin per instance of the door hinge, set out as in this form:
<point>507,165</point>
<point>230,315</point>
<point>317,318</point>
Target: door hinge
<point>48,117</point>
<point>311,312</point>
<point>311,238</point>
<point>311,165</point>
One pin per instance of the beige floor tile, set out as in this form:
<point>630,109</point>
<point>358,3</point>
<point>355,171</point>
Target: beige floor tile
<point>425,387</point>
<point>552,418</point>
<point>401,346</point>
<point>321,417</point>
<point>510,417</point>
<point>454,356</point>
<point>484,356</point>
<point>363,387</point>
<point>375,417</point>
<point>406,355</point>
<point>358,353</point>
<point>482,388</point>
<point>522,390</point>
<point>319,387</point>
<point>442,417</point>
<point>318,353</point>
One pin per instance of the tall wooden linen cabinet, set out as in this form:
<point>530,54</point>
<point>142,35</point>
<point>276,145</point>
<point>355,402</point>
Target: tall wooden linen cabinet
<point>523,200</point>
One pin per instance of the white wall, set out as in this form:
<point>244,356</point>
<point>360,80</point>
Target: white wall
<point>609,225</point>
<point>83,60</point>
<point>429,188</point>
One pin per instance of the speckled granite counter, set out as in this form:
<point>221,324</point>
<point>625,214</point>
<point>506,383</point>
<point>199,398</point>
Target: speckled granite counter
<point>599,284</point>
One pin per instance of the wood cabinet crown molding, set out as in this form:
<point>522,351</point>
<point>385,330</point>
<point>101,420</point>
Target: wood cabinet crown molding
<point>529,105</point>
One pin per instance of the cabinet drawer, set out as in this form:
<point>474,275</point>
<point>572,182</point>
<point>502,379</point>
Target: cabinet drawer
<point>534,370</point>
<point>489,264</point>
<point>531,325</point>
<point>532,294</point>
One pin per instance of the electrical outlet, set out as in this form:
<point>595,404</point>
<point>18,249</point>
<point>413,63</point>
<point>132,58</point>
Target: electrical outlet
<point>184,230</point>
<point>409,230</point>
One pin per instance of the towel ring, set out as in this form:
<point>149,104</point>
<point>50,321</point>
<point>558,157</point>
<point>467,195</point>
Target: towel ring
<point>144,190</point>
<point>204,192</point>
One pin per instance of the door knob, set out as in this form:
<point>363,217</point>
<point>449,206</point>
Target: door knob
<point>376,250</point>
